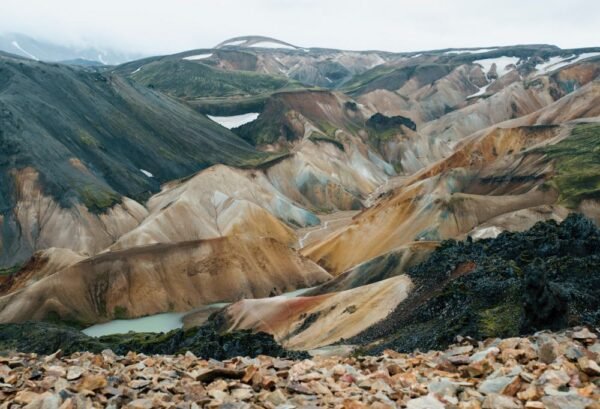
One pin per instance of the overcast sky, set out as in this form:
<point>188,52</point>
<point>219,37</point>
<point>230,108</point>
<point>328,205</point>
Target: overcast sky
<point>153,26</point>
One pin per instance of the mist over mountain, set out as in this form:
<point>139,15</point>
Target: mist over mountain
<point>28,47</point>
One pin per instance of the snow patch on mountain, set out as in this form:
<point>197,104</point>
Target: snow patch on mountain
<point>555,63</point>
<point>271,44</point>
<point>198,57</point>
<point>503,64</point>
<point>18,47</point>
<point>478,51</point>
<point>481,91</point>
<point>234,43</point>
<point>234,121</point>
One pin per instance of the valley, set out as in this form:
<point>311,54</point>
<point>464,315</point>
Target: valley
<point>261,198</point>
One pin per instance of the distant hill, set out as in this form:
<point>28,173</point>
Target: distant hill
<point>28,47</point>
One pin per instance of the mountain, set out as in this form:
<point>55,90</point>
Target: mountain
<point>28,47</point>
<point>78,145</point>
<point>411,190</point>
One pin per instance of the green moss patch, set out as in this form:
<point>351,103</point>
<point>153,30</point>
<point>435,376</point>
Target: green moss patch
<point>98,199</point>
<point>318,138</point>
<point>206,342</point>
<point>577,161</point>
<point>10,270</point>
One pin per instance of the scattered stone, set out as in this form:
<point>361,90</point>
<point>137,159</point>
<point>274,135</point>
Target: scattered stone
<point>93,382</point>
<point>496,401</point>
<point>569,401</point>
<point>584,335</point>
<point>212,374</point>
<point>495,385</point>
<point>548,351</point>
<point>588,366</point>
<point>74,372</point>
<point>532,373</point>
<point>25,397</point>
<point>425,402</point>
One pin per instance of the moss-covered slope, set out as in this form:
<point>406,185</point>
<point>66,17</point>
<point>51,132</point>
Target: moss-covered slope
<point>577,165</point>
<point>204,342</point>
<point>518,283</point>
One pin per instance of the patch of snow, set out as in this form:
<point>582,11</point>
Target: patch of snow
<point>18,47</point>
<point>145,172</point>
<point>198,57</point>
<point>378,61</point>
<point>478,51</point>
<point>218,198</point>
<point>481,91</point>
<point>555,63</point>
<point>234,121</point>
<point>233,43</point>
<point>138,70</point>
<point>502,64</point>
<point>416,55</point>
<point>101,59</point>
<point>486,233</point>
<point>270,44</point>
<point>545,66</point>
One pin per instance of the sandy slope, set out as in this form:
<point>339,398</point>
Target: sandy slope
<point>217,202</point>
<point>486,176</point>
<point>310,322</point>
<point>44,223</point>
<point>163,277</point>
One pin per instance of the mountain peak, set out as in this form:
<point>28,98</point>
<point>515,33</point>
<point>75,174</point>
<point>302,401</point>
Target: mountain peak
<point>256,42</point>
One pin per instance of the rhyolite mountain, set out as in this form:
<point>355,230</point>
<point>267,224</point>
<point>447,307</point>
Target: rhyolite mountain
<point>76,143</point>
<point>404,187</point>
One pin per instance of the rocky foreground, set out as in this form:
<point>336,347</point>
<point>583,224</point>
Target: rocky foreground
<point>547,370</point>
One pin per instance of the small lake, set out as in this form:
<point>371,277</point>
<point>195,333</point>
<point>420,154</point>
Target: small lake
<point>164,322</point>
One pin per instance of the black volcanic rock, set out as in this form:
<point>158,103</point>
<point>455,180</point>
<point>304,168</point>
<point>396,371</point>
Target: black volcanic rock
<point>205,342</point>
<point>545,278</point>
<point>380,122</point>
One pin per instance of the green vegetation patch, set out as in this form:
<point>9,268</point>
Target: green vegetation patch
<point>502,320</point>
<point>10,270</point>
<point>265,161</point>
<point>318,138</point>
<point>206,341</point>
<point>98,199</point>
<point>577,161</point>
<point>189,80</point>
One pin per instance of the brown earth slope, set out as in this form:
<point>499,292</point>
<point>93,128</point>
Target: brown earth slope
<point>163,277</point>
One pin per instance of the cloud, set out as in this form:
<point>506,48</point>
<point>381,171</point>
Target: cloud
<point>152,26</point>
